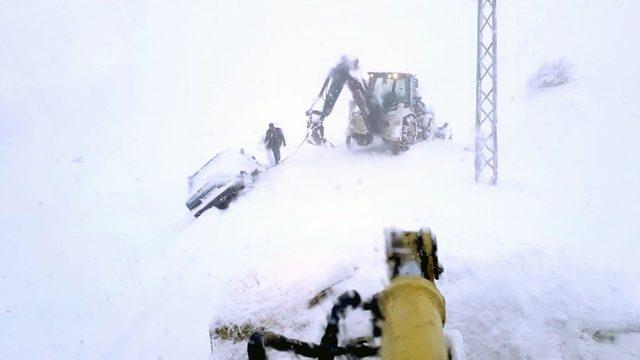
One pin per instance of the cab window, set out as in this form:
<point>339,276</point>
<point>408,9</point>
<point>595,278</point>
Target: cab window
<point>401,90</point>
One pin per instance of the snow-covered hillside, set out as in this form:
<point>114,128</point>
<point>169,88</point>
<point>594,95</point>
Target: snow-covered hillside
<point>106,108</point>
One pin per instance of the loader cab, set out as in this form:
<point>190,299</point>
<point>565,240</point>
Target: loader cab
<point>390,89</point>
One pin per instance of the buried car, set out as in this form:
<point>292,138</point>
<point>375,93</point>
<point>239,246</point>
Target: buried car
<point>220,180</point>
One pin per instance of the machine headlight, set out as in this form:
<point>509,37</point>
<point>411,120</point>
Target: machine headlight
<point>395,76</point>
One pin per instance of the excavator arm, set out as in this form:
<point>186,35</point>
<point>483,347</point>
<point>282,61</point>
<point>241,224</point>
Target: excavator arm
<point>346,72</point>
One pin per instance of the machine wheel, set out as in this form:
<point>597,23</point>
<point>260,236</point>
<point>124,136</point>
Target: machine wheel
<point>412,134</point>
<point>409,134</point>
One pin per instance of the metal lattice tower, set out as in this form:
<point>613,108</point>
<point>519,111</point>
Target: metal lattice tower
<point>487,91</point>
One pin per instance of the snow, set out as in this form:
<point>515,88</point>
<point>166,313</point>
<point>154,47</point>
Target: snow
<point>107,107</point>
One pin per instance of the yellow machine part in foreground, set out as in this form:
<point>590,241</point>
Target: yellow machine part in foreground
<point>414,316</point>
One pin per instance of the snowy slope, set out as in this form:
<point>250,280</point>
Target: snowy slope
<point>107,107</point>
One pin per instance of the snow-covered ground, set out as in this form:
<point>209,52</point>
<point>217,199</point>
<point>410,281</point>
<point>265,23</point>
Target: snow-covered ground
<point>107,107</point>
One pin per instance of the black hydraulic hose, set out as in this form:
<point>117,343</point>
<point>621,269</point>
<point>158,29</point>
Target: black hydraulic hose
<point>376,315</point>
<point>359,351</point>
<point>260,340</point>
<point>329,340</point>
<point>424,259</point>
<point>328,348</point>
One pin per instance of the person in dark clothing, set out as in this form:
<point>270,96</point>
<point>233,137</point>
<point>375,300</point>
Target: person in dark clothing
<point>274,139</point>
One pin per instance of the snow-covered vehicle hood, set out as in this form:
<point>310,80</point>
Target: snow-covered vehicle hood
<point>225,166</point>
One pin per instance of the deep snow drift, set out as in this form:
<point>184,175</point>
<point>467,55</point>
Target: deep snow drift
<point>106,108</point>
